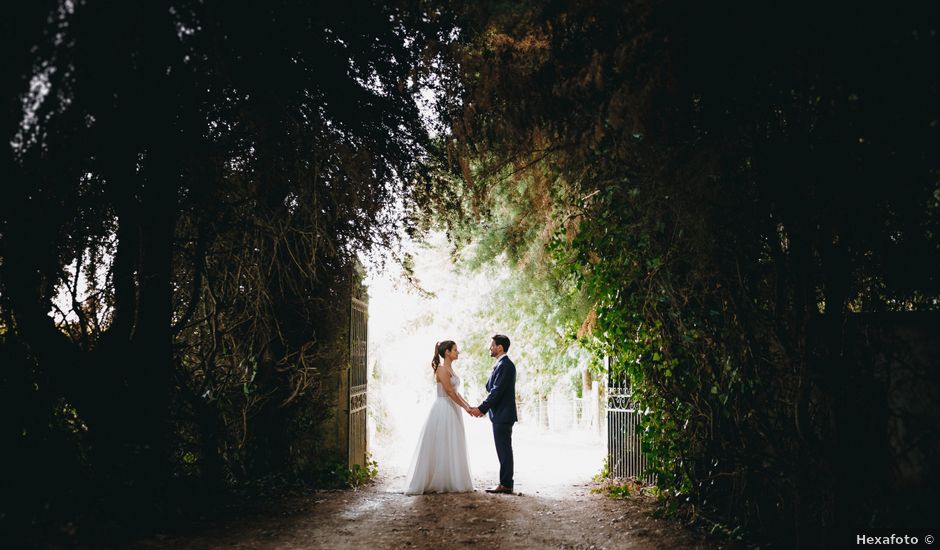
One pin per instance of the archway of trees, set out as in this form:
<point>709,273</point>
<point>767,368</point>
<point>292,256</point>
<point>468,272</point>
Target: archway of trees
<point>735,209</point>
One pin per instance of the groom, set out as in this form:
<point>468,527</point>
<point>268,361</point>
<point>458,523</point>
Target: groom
<point>501,406</point>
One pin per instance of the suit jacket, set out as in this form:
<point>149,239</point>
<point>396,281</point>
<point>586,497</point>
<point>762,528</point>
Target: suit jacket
<point>500,404</point>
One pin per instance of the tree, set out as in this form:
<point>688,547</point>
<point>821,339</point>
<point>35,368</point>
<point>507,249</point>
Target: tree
<point>725,173</point>
<point>195,179</point>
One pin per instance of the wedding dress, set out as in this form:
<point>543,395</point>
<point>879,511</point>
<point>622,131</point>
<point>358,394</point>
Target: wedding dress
<point>440,463</point>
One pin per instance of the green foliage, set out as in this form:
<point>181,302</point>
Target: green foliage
<point>339,475</point>
<point>604,473</point>
<point>539,302</point>
<point>714,192</point>
<point>621,489</point>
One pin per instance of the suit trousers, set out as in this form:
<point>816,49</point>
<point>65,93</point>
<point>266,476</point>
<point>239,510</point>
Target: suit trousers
<point>502,434</point>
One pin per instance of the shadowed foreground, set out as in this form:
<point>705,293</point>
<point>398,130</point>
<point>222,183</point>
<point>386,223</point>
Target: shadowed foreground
<point>377,517</point>
<point>554,508</point>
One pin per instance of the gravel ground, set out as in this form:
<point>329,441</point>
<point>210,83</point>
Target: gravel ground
<point>378,517</point>
<point>554,507</point>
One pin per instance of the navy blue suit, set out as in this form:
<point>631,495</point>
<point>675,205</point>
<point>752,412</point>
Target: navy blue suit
<point>500,405</point>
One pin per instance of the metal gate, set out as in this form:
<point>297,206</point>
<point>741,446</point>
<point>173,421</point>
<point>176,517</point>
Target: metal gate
<point>624,452</point>
<point>358,381</point>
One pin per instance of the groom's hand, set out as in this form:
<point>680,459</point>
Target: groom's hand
<point>475,411</point>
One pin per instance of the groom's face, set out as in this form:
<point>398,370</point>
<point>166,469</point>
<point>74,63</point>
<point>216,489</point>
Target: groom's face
<point>495,350</point>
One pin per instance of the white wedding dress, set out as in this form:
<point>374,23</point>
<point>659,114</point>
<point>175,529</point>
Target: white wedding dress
<point>440,463</point>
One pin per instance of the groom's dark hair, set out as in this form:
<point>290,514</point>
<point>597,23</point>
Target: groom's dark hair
<point>502,340</point>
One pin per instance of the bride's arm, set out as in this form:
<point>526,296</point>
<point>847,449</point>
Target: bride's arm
<point>444,379</point>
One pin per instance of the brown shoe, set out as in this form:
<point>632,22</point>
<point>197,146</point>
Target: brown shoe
<point>500,489</point>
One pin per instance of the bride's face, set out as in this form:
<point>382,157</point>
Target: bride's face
<point>452,353</point>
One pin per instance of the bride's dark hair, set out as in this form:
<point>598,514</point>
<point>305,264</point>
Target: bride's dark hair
<point>440,349</point>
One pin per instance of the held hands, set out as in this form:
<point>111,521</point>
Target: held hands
<point>474,411</point>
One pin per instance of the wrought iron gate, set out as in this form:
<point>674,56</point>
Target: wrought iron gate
<point>625,457</point>
<point>358,381</point>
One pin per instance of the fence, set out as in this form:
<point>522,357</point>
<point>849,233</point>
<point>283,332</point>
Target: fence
<point>625,457</point>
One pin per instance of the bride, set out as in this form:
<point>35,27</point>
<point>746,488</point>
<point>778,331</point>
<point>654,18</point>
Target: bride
<point>440,463</point>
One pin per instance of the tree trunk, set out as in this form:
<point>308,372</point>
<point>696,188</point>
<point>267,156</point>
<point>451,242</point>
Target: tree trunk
<point>150,365</point>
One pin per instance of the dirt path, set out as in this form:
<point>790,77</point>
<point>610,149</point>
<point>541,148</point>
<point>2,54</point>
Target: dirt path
<point>554,508</point>
<point>377,517</point>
